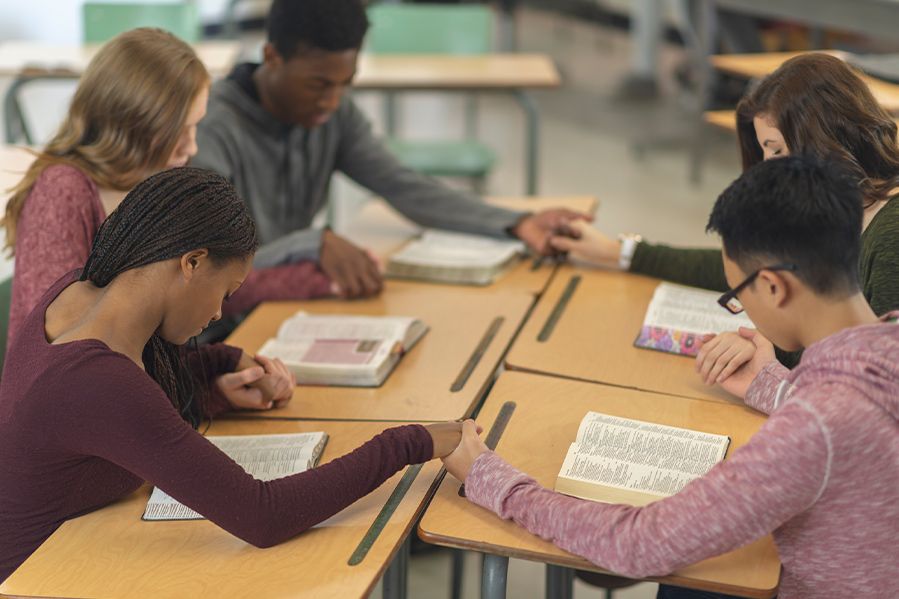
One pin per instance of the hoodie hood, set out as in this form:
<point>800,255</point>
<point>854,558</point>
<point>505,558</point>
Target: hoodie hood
<point>864,357</point>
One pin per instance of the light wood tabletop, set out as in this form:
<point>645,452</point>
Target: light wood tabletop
<point>420,388</point>
<point>383,230</point>
<point>447,72</point>
<point>593,338</point>
<point>112,553</point>
<point>723,119</point>
<point>545,421</point>
<point>759,65</point>
<point>16,56</point>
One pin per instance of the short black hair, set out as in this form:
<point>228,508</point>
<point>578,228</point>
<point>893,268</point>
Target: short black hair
<point>797,210</point>
<point>330,25</point>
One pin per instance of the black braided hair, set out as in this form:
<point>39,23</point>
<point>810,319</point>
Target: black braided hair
<point>165,217</point>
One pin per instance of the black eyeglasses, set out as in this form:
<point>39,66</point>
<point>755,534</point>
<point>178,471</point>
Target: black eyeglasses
<point>728,299</point>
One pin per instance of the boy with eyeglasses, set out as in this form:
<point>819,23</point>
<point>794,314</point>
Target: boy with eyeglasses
<point>822,474</point>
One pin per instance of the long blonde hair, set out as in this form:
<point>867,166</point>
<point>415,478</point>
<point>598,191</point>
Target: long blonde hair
<point>126,116</point>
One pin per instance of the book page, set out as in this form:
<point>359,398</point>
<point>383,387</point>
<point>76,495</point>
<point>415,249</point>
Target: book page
<point>639,456</point>
<point>265,457</point>
<point>691,310</point>
<point>305,326</point>
<point>444,249</point>
<point>329,354</point>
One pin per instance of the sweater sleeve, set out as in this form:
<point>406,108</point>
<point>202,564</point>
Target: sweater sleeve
<point>762,391</point>
<point>695,267</point>
<point>54,236</point>
<point>297,281</point>
<point>780,473</point>
<point>424,200</point>
<point>145,436</point>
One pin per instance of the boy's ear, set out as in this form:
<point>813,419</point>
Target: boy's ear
<point>776,288</point>
<point>270,56</point>
<point>193,261</point>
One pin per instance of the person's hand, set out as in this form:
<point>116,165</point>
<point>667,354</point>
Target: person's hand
<point>721,355</point>
<point>460,461</point>
<point>445,436</point>
<point>262,386</point>
<point>738,382</point>
<point>584,242</point>
<point>351,268</point>
<point>537,229</point>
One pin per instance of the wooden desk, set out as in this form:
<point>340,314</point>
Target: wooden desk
<point>513,73</point>
<point>723,119</point>
<point>16,56</point>
<point>443,72</point>
<point>759,65</point>
<point>593,339</point>
<point>112,553</point>
<point>554,407</point>
<point>383,230</point>
<point>420,387</point>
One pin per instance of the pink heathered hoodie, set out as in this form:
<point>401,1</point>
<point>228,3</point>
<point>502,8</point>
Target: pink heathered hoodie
<point>822,475</point>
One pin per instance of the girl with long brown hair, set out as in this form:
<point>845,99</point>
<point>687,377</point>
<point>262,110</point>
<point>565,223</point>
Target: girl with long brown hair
<point>814,104</point>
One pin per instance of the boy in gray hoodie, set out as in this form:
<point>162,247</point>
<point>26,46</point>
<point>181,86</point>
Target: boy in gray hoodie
<point>280,129</point>
<point>822,474</point>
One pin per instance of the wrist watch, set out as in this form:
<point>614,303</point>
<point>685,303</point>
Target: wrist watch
<point>629,243</point>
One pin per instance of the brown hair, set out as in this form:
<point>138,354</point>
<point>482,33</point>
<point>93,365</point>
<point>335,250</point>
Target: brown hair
<point>126,116</point>
<point>824,109</point>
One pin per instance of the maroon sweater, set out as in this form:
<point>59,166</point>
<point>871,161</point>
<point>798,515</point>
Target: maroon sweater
<point>56,230</point>
<point>82,426</point>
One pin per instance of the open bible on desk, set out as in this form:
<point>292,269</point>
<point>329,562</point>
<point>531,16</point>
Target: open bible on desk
<point>265,457</point>
<point>678,317</point>
<point>352,351</point>
<point>620,460</point>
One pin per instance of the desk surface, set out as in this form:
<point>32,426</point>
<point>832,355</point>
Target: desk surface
<point>383,230</point>
<point>723,119</point>
<point>441,72</point>
<point>759,65</point>
<point>218,56</point>
<point>593,339</point>
<point>454,521</point>
<point>112,553</point>
<point>419,388</point>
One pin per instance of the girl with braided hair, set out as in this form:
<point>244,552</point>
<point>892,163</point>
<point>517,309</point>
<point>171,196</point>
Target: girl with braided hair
<point>98,394</point>
<point>135,112</point>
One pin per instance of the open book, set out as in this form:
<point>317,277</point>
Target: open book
<point>354,351</point>
<point>679,316</point>
<point>619,460</point>
<point>265,457</point>
<point>454,258</point>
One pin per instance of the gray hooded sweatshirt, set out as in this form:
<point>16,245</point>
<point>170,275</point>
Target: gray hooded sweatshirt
<point>283,172</point>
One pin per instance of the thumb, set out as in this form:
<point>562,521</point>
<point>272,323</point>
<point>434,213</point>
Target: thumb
<point>563,244</point>
<point>747,333</point>
<point>247,376</point>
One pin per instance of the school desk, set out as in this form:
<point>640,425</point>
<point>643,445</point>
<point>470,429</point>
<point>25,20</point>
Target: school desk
<point>383,230</point>
<point>759,65</point>
<point>590,336</point>
<point>443,376</point>
<point>544,422</point>
<point>71,60</point>
<point>512,73</point>
<point>112,553</point>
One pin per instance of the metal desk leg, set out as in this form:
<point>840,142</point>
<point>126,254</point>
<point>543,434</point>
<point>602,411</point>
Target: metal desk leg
<point>532,141</point>
<point>395,584</point>
<point>559,582</point>
<point>493,576</point>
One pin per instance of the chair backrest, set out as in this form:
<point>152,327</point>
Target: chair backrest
<point>430,29</point>
<point>105,20</point>
<point>5,301</point>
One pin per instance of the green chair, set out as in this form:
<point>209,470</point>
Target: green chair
<point>436,29</point>
<point>5,301</point>
<point>105,20</point>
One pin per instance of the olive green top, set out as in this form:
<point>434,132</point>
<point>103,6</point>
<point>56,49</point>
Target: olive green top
<point>878,263</point>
